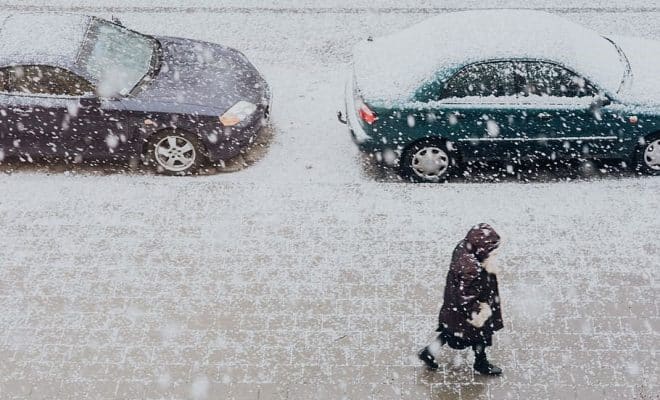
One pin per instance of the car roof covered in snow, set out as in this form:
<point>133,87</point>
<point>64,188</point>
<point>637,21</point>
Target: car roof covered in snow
<point>392,68</point>
<point>42,38</point>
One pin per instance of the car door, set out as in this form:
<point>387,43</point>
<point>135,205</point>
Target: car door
<point>18,128</point>
<point>566,114</point>
<point>481,103</point>
<point>55,112</point>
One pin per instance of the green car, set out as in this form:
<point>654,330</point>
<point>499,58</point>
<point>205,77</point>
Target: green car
<point>504,85</point>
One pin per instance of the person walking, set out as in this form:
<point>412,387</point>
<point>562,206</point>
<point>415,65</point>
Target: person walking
<point>470,313</point>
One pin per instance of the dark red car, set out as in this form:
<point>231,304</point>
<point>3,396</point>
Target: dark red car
<point>82,88</point>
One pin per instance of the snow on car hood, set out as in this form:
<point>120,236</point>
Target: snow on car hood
<point>390,69</point>
<point>204,74</point>
<point>643,86</point>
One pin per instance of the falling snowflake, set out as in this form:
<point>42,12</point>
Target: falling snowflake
<point>112,141</point>
<point>493,128</point>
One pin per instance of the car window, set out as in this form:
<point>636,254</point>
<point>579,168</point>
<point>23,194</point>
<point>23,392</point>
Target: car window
<point>39,79</point>
<point>546,79</point>
<point>485,79</point>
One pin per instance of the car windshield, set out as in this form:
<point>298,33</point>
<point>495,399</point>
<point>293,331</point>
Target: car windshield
<point>116,58</point>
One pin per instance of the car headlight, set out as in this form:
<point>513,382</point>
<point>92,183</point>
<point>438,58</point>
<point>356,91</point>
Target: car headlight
<point>238,113</point>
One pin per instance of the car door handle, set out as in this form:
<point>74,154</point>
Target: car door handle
<point>545,116</point>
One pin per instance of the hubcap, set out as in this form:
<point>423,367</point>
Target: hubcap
<point>652,155</point>
<point>430,163</point>
<point>175,153</point>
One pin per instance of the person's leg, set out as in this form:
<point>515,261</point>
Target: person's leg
<point>430,352</point>
<point>436,345</point>
<point>481,363</point>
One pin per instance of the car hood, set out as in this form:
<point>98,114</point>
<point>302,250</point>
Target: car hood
<point>643,86</point>
<point>208,75</point>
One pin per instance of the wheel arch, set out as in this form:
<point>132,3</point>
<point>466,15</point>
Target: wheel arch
<point>642,139</point>
<point>652,135</point>
<point>456,154</point>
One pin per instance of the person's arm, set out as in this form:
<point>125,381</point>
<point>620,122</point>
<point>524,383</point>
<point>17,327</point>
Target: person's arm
<point>473,297</point>
<point>470,284</point>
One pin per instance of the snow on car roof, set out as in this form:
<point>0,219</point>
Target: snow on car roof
<point>392,68</point>
<point>43,38</point>
<point>643,86</point>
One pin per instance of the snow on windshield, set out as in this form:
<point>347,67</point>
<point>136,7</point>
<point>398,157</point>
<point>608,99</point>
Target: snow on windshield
<point>116,58</point>
<point>392,68</point>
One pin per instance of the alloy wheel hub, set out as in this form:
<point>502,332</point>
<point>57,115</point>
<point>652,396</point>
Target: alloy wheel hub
<point>175,153</point>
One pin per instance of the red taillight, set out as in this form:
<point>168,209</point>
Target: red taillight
<point>367,115</point>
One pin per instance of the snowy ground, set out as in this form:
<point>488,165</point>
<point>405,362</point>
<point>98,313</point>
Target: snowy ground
<point>308,275</point>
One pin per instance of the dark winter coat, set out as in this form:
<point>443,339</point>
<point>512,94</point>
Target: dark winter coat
<point>468,284</point>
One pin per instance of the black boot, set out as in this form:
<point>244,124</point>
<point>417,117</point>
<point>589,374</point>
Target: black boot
<point>426,356</point>
<point>482,365</point>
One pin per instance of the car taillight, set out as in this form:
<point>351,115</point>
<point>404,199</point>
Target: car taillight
<point>367,115</point>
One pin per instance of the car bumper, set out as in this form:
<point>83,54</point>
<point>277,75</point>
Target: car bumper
<point>358,134</point>
<point>229,142</point>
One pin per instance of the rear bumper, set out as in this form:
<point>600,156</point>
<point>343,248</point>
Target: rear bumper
<point>358,134</point>
<point>364,141</point>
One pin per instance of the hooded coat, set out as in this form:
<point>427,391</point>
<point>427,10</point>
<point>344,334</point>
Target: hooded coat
<point>469,287</point>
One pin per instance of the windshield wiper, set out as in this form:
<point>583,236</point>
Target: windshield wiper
<point>155,64</point>
<point>156,59</point>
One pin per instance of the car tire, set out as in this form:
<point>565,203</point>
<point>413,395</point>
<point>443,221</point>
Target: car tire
<point>648,156</point>
<point>175,153</point>
<point>428,160</point>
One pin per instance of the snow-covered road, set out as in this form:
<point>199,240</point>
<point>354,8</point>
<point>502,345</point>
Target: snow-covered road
<point>307,275</point>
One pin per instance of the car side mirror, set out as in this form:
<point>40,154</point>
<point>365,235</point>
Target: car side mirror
<point>601,100</point>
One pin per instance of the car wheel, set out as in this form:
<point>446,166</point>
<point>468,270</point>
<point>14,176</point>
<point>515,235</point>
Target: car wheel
<point>175,153</point>
<point>426,161</point>
<point>648,157</point>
